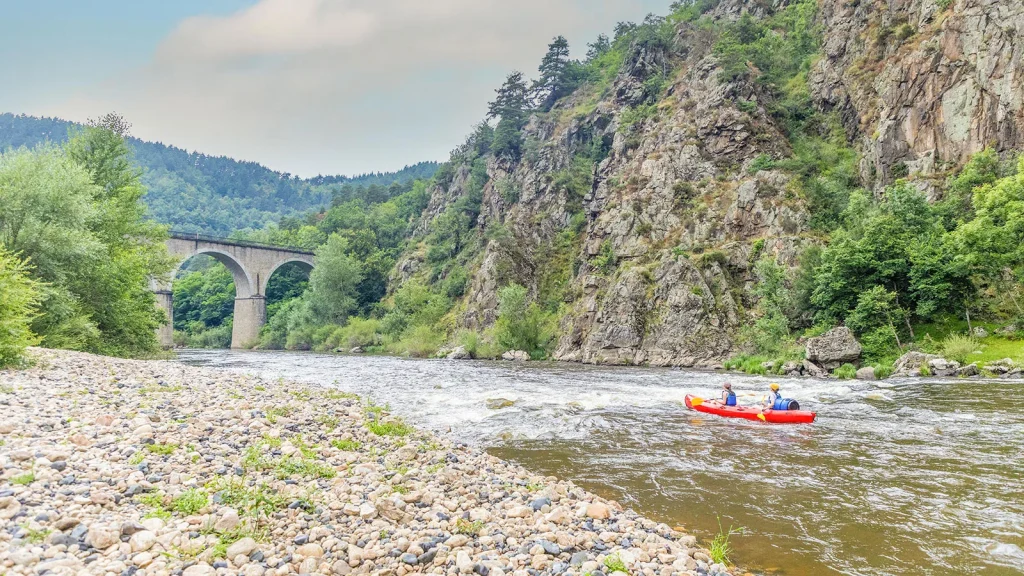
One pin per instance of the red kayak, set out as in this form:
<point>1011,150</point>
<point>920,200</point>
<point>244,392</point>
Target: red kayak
<point>751,412</point>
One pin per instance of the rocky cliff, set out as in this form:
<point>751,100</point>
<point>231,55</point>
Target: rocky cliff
<point>649,242</point>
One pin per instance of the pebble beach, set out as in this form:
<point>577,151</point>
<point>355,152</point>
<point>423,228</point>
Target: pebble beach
<point>122,467</point>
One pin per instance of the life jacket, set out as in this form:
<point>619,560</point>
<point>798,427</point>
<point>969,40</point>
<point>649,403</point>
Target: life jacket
<point>730,399</point>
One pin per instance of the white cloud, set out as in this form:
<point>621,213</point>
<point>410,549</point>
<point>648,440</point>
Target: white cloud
<point>340,86</point>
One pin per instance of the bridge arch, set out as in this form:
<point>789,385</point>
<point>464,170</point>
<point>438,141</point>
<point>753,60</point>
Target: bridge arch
<point>244,283</point>
<point>251,265</point>
<point>263,282</point>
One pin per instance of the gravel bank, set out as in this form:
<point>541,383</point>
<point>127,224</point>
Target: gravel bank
<point>128,467</point>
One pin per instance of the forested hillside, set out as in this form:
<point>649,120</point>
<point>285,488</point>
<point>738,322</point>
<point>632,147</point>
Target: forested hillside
<point>194,192</point>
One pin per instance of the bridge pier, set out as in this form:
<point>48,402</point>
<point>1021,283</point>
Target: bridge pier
<point>165,333</point>
<point>250,316</point>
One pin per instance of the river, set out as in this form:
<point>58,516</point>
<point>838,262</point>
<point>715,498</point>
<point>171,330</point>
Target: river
<point>895,478</point>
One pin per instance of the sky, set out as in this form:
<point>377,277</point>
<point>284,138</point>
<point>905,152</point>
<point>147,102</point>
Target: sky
<point>302,86</point>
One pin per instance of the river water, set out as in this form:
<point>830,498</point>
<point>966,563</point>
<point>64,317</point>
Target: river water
<point>894,478</point>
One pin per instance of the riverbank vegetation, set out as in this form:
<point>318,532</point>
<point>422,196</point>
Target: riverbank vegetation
<point>77,250</point>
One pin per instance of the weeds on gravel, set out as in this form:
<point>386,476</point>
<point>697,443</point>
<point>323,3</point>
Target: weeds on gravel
<point>162,449</point>
<point>345,445</point>
<point>301,395</point>
<point>275,412</point>
<point>288,466</point>
<point>390,428</point>
<point>6,389</point>
<point>137,458</point>
<point>35,536</point>
<point>24,479</point>
<point>339,395</point>
<point>260,388</point>
<point>271,441</point>
<point>463,526</point>
<point>252,501</point>
<point>614,563</point>
<point>190,501</point>
<point>329,422</point>
<point>306,450</point>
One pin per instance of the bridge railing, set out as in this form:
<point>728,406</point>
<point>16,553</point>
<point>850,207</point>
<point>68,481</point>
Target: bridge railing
<point>233,241</point>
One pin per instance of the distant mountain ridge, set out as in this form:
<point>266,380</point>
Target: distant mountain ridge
<point>196,192</point>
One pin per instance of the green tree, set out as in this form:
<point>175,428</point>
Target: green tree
<point>20,297</point>
<point>510,106</point>
<point>558,74</point>
<point>333,283</point>
<point>521,324</point>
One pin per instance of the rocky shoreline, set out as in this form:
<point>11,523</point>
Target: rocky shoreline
<point>123,467</point>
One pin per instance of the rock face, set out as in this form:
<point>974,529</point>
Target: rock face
<point>866,373</point>
<point>833,348</point>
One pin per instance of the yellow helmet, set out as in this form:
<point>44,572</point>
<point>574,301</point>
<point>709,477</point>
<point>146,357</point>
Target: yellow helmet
<point>774,386</point>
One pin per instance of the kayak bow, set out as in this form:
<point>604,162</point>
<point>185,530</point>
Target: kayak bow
<point>750,412</point>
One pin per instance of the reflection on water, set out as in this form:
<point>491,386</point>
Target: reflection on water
<point>892,479</point>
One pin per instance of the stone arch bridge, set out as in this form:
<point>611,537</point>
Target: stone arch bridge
<point>251,264</point>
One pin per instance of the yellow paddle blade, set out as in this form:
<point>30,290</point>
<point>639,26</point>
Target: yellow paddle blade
<point>696,401</point>
<point>761,418</point>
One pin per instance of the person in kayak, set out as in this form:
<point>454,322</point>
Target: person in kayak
<point>728,396</point>
<point>773,397</point>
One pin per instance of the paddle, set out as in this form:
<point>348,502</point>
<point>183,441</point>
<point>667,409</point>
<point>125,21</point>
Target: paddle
<point>696,401</point>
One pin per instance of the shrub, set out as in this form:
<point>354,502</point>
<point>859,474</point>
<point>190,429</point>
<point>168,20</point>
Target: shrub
<point>18,306</point>
<point>522,325</point>
<point>845,372</point>
<point>883,371</point>
<point>879,344</point>
<point>605,259</point>
<point>419,342</point>
<point>959,347</point>
<point>389,428</point>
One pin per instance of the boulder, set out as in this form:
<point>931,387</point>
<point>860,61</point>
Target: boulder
<point>517,355</point>
<point>833,348</point>
<point>459,353</point>
<point>813,370</point>
<point>356,350</point>
<point>969,370</point>
<point>866,373</point>
<point>943,367</point>
<point>979,332</point>
<point>910,363</point>
<point>792,369</point>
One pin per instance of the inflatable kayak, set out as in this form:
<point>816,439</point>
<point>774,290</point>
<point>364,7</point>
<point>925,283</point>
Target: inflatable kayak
<point>751,412</point>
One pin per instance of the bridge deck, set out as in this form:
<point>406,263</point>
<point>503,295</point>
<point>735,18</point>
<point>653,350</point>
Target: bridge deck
<point>194,236</point>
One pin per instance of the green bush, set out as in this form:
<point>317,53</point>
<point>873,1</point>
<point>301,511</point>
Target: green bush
<point>523,325</point>
<point>959,347</point>
<point>879,345</point>
<point>883,371</point>
<point>419,342</point>
<point>845,372</point>
<point>19,302</point>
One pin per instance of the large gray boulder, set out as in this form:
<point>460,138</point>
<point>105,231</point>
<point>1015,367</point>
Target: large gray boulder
<point>459,353</point>
<point>833,348</point>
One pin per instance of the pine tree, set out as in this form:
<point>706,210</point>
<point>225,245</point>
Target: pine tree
<point>557,74</point>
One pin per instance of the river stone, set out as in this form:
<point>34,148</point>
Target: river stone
<point>516,355</point>
<point>910,363</point>
<point>243,547</point>
<point>459,353</point>
<point>498,403</point>
<point>598,511</point>
<point>833,348</point>
<point>866,373</point>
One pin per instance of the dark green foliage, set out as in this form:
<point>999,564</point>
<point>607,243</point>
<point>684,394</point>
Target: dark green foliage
<point>890,260</point>
<point>559,75</point>
<point>203,294</point>
<point>769,334</point>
